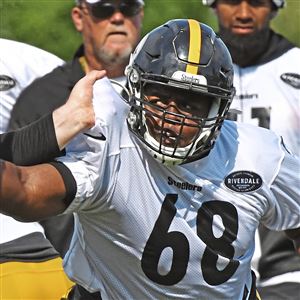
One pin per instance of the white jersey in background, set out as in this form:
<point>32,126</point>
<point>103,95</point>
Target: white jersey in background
<point>147,231</point>
<point>20,64</point>
<point>268,96</point>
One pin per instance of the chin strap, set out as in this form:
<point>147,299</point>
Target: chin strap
<point>123,87</point>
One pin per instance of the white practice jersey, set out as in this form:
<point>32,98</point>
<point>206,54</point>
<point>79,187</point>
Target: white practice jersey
<point>268,96</point>
<point>148,231</point>
<point>20,64</point>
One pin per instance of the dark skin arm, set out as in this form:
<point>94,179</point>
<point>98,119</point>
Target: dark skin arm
<point>38,192</point>
<point>31,193</point>
<point>34,193</point>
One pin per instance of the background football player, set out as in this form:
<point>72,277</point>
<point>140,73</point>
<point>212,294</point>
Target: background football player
<point>267,82</point>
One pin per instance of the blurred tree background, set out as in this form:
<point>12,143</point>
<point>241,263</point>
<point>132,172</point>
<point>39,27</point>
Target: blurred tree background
<point>47,23</point>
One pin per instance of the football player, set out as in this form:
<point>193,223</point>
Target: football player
<point>267,82</point>
<point>168,195</point>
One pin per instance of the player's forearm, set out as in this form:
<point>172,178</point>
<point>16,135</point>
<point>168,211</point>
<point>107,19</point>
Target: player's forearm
<point>294,234</point>
<point>31,193</point>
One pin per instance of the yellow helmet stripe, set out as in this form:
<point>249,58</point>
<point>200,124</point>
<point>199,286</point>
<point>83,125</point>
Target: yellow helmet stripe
<point>195,46</point>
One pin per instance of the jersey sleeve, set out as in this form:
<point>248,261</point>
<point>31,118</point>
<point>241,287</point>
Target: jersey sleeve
<point>92,156</point>
<point>286,194</point>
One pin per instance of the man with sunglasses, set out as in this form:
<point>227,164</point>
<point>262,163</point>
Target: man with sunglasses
<point>110,30</point>
<point>267,79</point>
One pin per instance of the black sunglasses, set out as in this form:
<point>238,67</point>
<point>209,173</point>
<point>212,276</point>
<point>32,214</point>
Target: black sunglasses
<point>103,10</point>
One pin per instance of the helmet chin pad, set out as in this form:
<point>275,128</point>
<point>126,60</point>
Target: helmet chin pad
<point>168,156</point>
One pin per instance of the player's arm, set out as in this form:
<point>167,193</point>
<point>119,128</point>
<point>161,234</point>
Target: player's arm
<point>294,234</point>
<point>33,193</point>
<point>42,140</point>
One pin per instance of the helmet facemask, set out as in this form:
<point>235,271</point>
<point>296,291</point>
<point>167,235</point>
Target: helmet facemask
<point>177,122</point>
<point>180,80</point>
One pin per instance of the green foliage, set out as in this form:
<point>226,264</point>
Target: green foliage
<point>288,21</point>
<point>47,23</point>
<point>160,11</point>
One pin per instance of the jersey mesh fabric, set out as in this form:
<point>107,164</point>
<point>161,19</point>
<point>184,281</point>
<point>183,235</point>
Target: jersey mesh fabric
<point>144,230</point>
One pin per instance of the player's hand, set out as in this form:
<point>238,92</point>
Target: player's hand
<point>80,100</point>
<point>77,114</point>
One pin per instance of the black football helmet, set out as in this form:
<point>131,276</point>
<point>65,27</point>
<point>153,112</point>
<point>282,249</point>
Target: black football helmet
<point>183,60</point>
